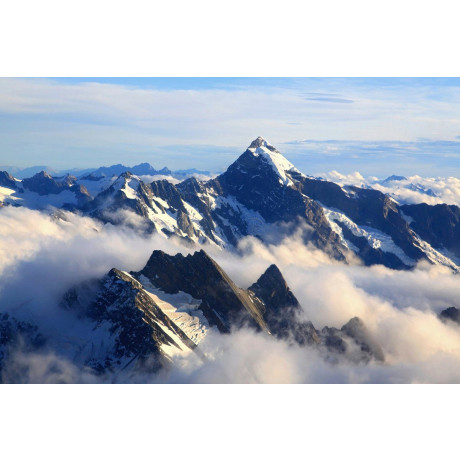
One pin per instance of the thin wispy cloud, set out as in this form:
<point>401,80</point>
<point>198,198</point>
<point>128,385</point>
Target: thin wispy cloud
<point>337,100</point>
<point>381,157</point>
<point>202,122</point>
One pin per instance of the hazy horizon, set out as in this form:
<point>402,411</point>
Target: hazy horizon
<point>377,126</point>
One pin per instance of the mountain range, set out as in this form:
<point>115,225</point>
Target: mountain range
<point>130,321</point>
<point>127,323</point>
<point>142,169</point>
<point>260,194</point>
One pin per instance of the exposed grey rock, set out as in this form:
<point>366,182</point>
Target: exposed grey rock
<point>223,303</point>
<point>282,312</point>
<point>252,185</point>
<point>43,184</point>
<point>370,208</point>
<point>7,180</point>
<point>451,313</point>
<point>439,225</point>
<point>268,305</point>
<point>137,327</point>
<point>121,326</point>
<point>353,340</point>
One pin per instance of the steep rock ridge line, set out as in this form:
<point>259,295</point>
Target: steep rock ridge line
<point>223,303</point>
<point>128,327</point>
<point>122,323</point>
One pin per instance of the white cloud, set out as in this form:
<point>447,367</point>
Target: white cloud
<point>149,179</point>
<point>354,178</point>
<point>446,189</point>
<point>40,258</point>
<point>411,190</point>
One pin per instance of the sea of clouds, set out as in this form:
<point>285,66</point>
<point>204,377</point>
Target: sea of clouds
<point>409,190</point>
<point>42,256</point>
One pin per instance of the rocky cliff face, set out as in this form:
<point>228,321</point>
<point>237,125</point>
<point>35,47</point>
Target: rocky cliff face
<point>439,225</point>
<point>366,209</point>
<point>282,312</point>
<point>222,302</point>
<point>130,329</point>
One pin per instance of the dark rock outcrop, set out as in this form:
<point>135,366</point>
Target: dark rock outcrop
<point>43,184</point>
<point>369,208</point>
<point>222,302</point>
<point>282,312</point>
<point>439,225</point>
<point>451,314</point>
<point>136,327</point>
<point>352,340</point>
<point>7,180</point>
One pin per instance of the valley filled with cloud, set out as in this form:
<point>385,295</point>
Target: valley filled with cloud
<point>43,256</point>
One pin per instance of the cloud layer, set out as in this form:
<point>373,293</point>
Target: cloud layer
<point>410,190</point>
<point>41,257</point>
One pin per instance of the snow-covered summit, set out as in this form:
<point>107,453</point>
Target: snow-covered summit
<point>260,147</point>
<point>261,142</point>
<point>127,183</point>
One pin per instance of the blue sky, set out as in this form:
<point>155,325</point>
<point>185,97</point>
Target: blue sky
<point>378,126</point>
<point>165,83</point>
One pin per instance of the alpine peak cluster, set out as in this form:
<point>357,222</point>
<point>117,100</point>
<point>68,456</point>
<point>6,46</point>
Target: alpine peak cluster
<point>141,320</point>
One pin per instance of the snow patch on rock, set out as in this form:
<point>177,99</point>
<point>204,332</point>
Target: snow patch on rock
<point>375,238</point>
<point>182,309</point>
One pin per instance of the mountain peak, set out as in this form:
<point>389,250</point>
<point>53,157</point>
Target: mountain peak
<point>271,287</point>
<point>261,142</point>
<point>43,174</point>
<point>394,178</point>
<point>126,174</point>
<point>7,180</point>
<point>261,148</point>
